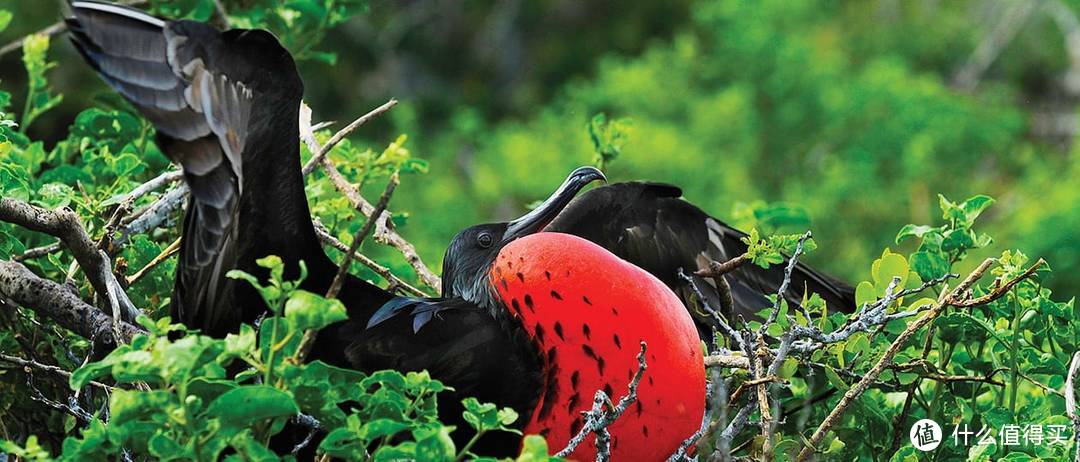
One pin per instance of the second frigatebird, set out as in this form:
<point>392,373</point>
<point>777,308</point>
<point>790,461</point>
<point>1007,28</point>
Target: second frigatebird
<point>225,105</point>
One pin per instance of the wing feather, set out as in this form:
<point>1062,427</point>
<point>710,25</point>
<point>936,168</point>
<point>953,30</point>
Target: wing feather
<point>184,78</point>
<point>651,226</point>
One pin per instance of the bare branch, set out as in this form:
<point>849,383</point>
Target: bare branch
<point>54,301</point>
<point>308,340</point>
<point>726,329</point>
<point>64,224</point>
<point>384,231</point>
<point>31,364</point>
<point>154,215</point>
<point>597,420</point>
<point>730,361</point>
<point>784,284</point>
<point>39,251</point>
<point>51,30</point>
<point>717,269</point>
<point>343,269</point>
<point>317,155</point>
<point>327,238</point>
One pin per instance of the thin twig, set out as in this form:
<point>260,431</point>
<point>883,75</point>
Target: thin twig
<point>320,153</point>
<point>327,238</point>
<point>161,257</point>
<point>39,251</point>
<point>597,419</point>
<point>384,231</point>
<point>717,269</point>
<point>155,214</point>
<point>343,269</point>
<point>794,260</point>
<point>30,363</point>
<point>308,340</point>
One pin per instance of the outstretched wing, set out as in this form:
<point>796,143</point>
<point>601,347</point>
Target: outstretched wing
<point>649,225</point>
<point>198,86</point>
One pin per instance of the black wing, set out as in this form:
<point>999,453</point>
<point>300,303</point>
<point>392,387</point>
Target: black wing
<point>199,87</point>
<point>649,225</point>
<point>459,343</point>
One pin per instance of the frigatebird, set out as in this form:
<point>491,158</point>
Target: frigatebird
<point>225,105</point>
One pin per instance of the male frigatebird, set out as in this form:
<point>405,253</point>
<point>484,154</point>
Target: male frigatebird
<point>225,105</point>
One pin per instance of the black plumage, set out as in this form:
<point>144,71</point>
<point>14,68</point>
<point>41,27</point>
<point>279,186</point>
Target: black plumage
<point>225,105</point>
<point>226,108</point>
<point>650,225</point>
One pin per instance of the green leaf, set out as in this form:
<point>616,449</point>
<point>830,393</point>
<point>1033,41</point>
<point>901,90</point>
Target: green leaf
<point>307,310</point>
<point>929,265</point>
<point>533,449</point>
<point>958,240</point>
<point>834,378</point>
<point>864,293</point>
<point>918,231</point>
<point>889,266</point>
<point>5,20</point>
<point>127,405</point>
<point>250,404</point>
<point>481,417</point>
<point>436,447</point>
<point>974,206</point>
<point>379,428</point>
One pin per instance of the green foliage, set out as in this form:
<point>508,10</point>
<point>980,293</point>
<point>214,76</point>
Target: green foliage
<point>770,250</point>
<point>608,138</point>
<point>178,399</point>
<point>301,25</point>
<point>1019,344</point>
<point>38,99</point>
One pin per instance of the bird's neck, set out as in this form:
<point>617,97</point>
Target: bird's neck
<point>277,219</point>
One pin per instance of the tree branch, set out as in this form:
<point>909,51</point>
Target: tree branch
<point>384,232</point>
<point>31,364</point>
<point>66,309</point>
<point>597,420</point>
<point>327,238</point>
<point>64,224</point>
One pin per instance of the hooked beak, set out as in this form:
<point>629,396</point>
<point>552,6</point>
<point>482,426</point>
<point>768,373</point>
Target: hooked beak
<point>543,214</point>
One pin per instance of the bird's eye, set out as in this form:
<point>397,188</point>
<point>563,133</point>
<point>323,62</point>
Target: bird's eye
<point>485,240</point>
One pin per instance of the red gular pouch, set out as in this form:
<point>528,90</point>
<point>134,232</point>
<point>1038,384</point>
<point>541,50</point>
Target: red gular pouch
<point>588,311</point>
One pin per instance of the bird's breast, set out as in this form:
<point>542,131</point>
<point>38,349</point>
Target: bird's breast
<point>588,312</point>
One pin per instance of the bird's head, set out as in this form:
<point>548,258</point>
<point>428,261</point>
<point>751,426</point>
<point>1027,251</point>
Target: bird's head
<point>469,257</point>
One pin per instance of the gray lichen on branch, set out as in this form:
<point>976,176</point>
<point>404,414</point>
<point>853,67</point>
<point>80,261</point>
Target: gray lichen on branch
<point>604,413</point>
<point>56,302</point>
<point>64,224</point>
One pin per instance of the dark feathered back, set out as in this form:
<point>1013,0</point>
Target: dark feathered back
<point>651,226</point>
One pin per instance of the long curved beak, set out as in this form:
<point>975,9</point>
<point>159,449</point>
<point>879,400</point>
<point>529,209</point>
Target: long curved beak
<point>543,214</point>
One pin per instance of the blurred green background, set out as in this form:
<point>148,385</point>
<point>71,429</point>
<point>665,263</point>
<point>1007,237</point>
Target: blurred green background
<point>847,117</point>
